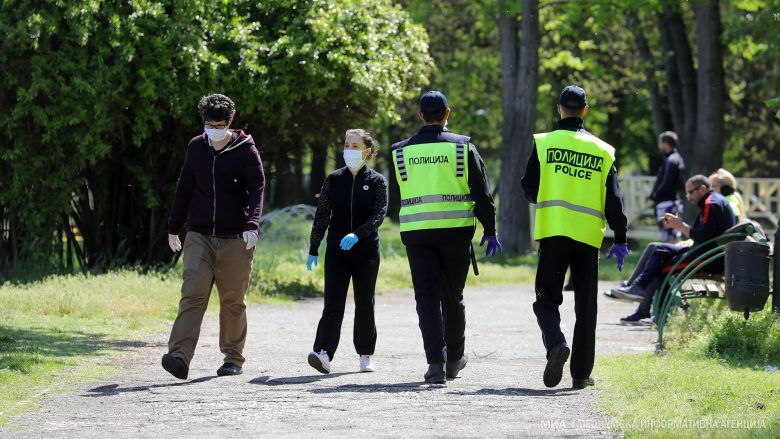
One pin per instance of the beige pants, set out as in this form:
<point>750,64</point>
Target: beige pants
<point>209,260</point>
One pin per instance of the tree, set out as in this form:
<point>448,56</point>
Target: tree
<point>519,68</point>
<point>101,103</point>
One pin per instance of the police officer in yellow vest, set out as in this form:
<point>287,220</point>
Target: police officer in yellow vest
<point>443,187</point>
<point>573,181</point>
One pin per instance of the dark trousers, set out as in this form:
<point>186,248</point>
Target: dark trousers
<point>361,265</point>
<point>663,255</point>
<point>439,274</point>
<point>556,254</point>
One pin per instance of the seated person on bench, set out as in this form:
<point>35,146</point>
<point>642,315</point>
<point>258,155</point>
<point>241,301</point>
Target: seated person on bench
<point>722,182</point>
<point>715,217</point>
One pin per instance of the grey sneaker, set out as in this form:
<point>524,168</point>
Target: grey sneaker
<point>320,361</point>
<point>453,367</point>
<point>633,293</point>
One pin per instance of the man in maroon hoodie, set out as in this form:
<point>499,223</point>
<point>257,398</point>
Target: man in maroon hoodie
<point>220,197</point>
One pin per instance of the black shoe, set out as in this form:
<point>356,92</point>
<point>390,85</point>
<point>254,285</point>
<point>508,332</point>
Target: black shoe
<point>453,367</point>
<point>556,358</point>
<point>582,383</point>
<point>175,366</point>
<point>636,316</point>
<point>435,374</point>
<point>228,369</point>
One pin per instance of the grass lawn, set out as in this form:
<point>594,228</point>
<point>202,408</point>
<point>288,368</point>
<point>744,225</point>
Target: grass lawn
<point>717,378</point>
<point>59,330</point>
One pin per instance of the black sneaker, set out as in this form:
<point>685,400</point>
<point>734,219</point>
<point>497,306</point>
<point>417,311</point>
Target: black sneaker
<point>577,383</point>
<point>636,317</point>
<point>435,374</point>
<point>556,358</point>
<point>228,369</point>
<point>175,366</point>
<point>453,367</point>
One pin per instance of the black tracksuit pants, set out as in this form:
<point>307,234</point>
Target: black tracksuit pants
<point>361,265</point>
<point>439,274</point>
<point>556,254</point>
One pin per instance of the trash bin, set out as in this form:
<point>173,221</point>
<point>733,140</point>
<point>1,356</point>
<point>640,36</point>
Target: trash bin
<point>747,275</point>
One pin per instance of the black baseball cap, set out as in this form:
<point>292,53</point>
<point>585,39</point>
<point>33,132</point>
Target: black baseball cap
<point>433,102</point>
<point>573,97</point>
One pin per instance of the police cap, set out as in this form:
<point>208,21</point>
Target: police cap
<point>573,97</point>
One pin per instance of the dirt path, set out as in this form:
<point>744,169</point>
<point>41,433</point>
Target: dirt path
<point>499,394</point>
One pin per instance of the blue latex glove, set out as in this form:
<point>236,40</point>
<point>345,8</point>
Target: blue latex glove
<point>492,245</point>
<point>348,241</point>
<point>619,251</point>
<point>312,260</point>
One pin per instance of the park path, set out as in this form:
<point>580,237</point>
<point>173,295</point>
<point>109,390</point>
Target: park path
<point>499,394</point>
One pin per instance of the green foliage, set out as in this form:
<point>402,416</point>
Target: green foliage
<point>100,102</point>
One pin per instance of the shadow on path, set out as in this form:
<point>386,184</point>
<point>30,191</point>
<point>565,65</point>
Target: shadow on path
<point>380,388</point>
<point>114,389</point>
<point>520,391</point>
<point>306,379</point>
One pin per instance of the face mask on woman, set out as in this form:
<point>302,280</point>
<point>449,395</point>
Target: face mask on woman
<point>354,159</point>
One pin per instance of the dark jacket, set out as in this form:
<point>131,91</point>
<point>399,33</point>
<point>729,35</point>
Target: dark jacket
<point>479,187</point>
<point>350,204</point>
<point>715,217</point>
<point>219,192</point>
<point>613,206</point>
<point>670,180</point>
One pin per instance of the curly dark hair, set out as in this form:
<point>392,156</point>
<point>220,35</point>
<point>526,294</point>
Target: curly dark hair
<point>215,107</point>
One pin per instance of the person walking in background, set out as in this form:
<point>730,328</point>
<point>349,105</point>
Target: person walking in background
<point>352,205</point>
<point>443,185</point>
<point>668,185</point>
<point>220,198</point>
<point>572,179</point>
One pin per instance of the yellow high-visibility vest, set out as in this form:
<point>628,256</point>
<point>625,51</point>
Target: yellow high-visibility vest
<point>433,178</point>
<point>572,186</point>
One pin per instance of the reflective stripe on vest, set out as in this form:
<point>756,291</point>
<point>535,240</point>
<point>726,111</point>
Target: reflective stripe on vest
<point>572,186</point>
<point>433,178</point>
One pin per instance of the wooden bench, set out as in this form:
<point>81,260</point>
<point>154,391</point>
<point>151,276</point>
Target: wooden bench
<point>686,280</point>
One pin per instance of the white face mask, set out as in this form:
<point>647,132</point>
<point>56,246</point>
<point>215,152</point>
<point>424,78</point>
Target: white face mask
<point>215,135</point>
<point>353,158</point>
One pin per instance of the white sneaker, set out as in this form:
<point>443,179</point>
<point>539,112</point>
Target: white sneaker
<point>320,361</point>
<point>365,363</point>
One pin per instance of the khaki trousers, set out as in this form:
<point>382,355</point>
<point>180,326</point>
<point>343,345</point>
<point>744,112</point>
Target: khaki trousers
<point>209,260</point>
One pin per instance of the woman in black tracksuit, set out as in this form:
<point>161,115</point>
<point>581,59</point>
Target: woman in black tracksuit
<point>352,204</point>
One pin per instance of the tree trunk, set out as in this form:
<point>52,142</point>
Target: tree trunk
<point>287,182</point>
<point>712,89</point>
<point>519,124</point>
<point>673,87</point>
<point>660,115</point>
<point>687,74</point>
<point>319,159</point>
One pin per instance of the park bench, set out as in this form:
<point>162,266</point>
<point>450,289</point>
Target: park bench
<point>688,279</point>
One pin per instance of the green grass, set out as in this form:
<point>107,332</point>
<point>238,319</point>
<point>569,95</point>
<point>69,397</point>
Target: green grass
<point>713,372</point>
<point>58,330</point>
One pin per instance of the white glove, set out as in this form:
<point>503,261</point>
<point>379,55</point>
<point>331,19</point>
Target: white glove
<point>174,243</point>
<point>250,238</point>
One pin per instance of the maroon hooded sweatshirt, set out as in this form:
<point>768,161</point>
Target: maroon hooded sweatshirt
<point>219,193</point>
